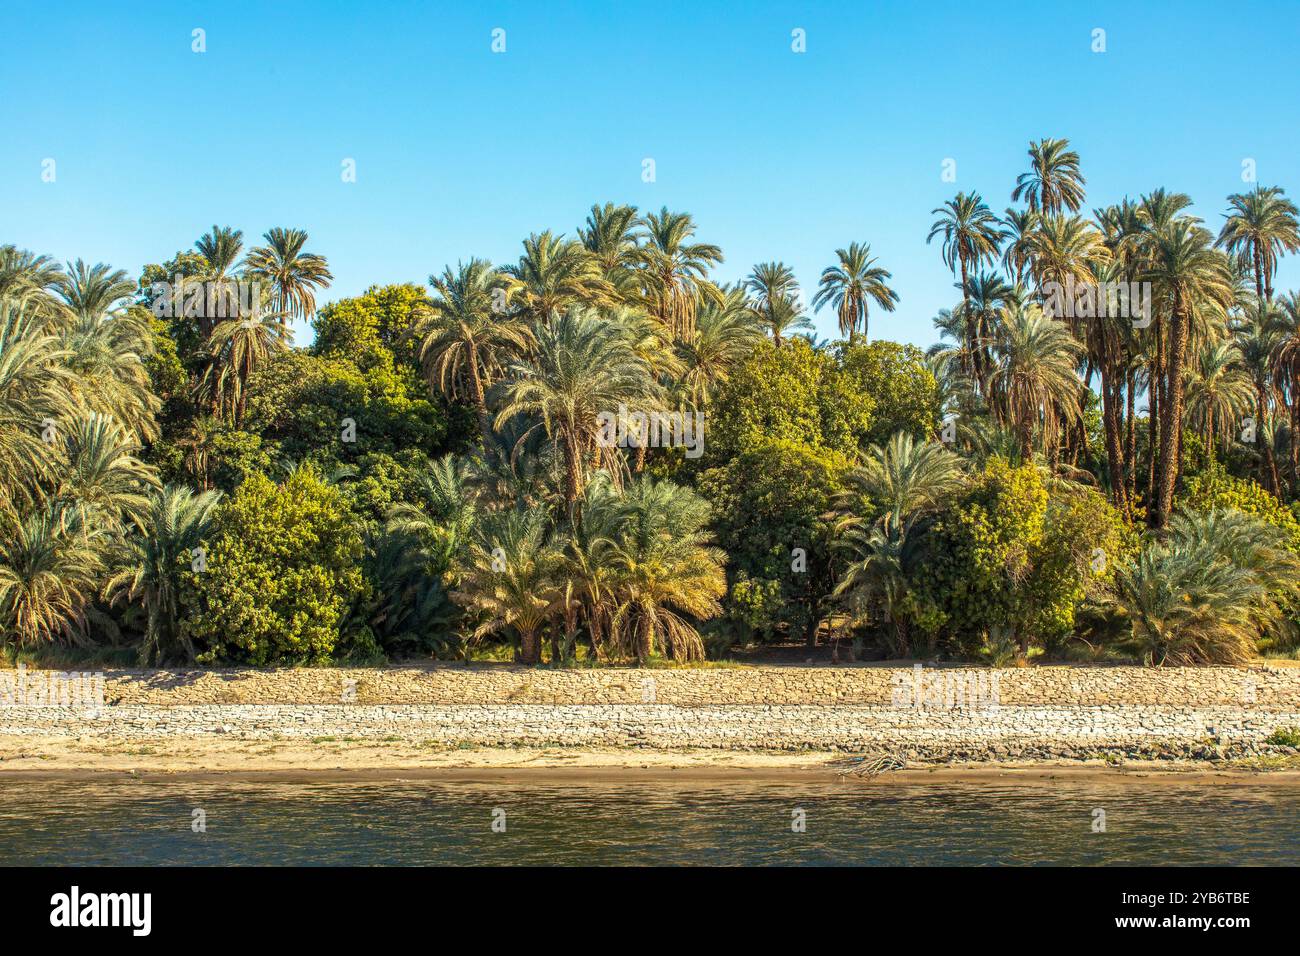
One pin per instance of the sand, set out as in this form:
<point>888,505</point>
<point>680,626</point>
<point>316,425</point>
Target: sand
<point>324,759</point>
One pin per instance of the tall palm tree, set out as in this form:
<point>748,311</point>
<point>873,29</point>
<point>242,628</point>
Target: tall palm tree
<point>583,365</point>
<point>674,269</point>
<point>148,565</point>
<point>849,285</point>
<point>554,274</point>
<point>1020,227</point>
<point>1190,277</point>
<point>1260,226</point>
<point>774,299</point>
<point>1035,381</point>
<point>464,340</point>
<point>236,349</point>
<point>1054,182</point>
<point>49,565</point>
<point>971,237</point>
<point>294,275</point>
<point>610,236</point>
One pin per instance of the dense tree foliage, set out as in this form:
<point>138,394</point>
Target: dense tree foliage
<point>599,452</point>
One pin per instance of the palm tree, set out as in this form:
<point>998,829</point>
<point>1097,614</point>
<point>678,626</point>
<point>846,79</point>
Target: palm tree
<point>848,285</point>
<point>1190,277</point>
<point>34,393</point>
<point>902,480</point>
<point>101,477</point>
<point>1054,181</point>
<point>1258,339</point>
<point>674,269</point>
<point>512,578</point>
<point>94,292</point>
<point>49,565</point>
<point>971,235</point>
<point>175,525</point>
<point>236,349</point>
<point>583,365</point>
<point>555,274</point>
<point>726,334</point>
<point>1219,392</point>
<point>1209,592</point>
<point>294,275</point>
<point>1020,226</point>
<point>465,338</point>
<point>610,236</point>
<point>24,273</point>
<point>107,354</point>
<point>1260,226</point>
<point>774,298</point>
<point>1034,381</point>
<point>666,573</point>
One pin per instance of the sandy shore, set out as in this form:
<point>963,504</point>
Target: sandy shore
<point>352,759</point>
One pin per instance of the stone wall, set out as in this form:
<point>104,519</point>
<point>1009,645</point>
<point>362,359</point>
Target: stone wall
<point>1017,713</point>
<point>1264,688</point>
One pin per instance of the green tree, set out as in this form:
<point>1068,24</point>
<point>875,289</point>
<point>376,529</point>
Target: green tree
<point>283,569</point>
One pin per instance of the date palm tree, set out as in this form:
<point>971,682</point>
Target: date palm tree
<point>1035,382</point>
<point>100,475</point>
<point>294,275</point>
<point>582,366</point>
<point>236,349</point>
<point>34,398</point>
<point>725,335</point>
<point>851,285</point>
<point>666,574</point>
<point>674,268</point>
<point>774,299</point>
<point>512,578</point>
<point>1260,226</point>
<point>554,274</point>
<point>50,563</point>
<point>1054,182</point>
<point>1219,392</point>
<point>1190,278</point>
<point>467,333</point>
<point>971,237</point>
<point>610,236</point>
<point>148,568</point>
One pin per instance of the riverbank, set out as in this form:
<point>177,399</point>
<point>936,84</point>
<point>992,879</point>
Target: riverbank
<point>351,760</point>
<point>769,718</point>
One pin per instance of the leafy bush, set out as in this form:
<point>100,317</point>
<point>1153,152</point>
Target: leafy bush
<point>283,568</point>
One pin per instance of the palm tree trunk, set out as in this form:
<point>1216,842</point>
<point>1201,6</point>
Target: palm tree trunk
<point>1114,450</point>
<point>1271,480</point>
<point>1172,414</point>
<point>530,647</point>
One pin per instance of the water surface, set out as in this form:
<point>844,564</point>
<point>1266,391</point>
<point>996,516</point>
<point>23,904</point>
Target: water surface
<point>846,822</point>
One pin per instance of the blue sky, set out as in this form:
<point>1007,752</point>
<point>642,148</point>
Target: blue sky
<point>462,152</point>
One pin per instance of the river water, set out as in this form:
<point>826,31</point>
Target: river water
<point>153,821</point>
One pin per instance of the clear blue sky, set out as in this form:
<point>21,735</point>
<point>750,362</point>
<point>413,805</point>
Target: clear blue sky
<point>463,152</point>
